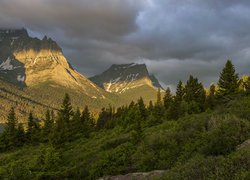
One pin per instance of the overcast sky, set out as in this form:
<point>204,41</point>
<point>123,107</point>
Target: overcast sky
<point>174,38</point>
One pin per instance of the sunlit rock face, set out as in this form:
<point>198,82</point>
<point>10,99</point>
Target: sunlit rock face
<point>123,77</point>
<point>27,62</point>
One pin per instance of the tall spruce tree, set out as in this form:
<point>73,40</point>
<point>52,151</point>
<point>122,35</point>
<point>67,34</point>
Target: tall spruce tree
<point>158,98</point>
<point>11,122</point>
<point>228,82</point>
<point>62,130</point>
<point>33,131</point>
<point>167,99</point>
<point>179,92</point>
<point>142,108</point>
<point>105,118</point>
<point>176,110</point>
<point>87,122</point>
<point>21,138</point>
<point>48,125</point>
<point>195,95</point>
<point>9,137</point>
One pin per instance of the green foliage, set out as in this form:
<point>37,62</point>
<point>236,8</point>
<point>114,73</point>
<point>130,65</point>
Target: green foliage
<point>48,127</point>
<point>228,82</point>
<point>187,134</point>
<point>179,92</point>
<point>211,98</point>
<point>62,131</point>
<point>194,95</point>
<point>48,160</point>
<point>167,99</point>
<point>13,133</point>
<point>246,85</point>
<point>224,134</point>
<point>33,132</point>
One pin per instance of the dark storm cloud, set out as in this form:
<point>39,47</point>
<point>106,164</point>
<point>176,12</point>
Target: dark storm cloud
<point>174,38</point>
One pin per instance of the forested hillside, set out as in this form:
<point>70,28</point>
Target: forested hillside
<point>193,134</point>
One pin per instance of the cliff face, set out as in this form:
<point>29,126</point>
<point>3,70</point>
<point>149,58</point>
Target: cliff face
<point>27,62</point>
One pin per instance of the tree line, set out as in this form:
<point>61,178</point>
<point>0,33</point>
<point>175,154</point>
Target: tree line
<point>67,124</point>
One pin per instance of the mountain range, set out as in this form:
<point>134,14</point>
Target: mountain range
<point>37,70</point>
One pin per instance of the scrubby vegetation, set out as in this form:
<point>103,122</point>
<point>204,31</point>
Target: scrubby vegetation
<point>193,134</point>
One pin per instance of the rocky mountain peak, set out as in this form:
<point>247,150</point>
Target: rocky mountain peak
<point>122,77</point>
<point>27,62</point>
<point>11,33</point>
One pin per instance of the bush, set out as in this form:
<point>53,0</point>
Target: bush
<point>225,133</point>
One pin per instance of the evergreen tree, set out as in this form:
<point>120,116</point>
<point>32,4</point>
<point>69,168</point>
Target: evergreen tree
<point>76,124</point>
<point>167,99</point>
<point>48,125</point>
<point>33,131</point>
<point>86,114</point>
<point>87,122</point>
<point>11,122</point>
<point>150,106</point>
<point>179,92</point>
<point>131,105</point>
<point>246,85</point>
<point>105,118</point>
<point>142,108</point>
<point>9,137</point>
<point>62,130</point>
<point>158,110</point>
<point>21,138</point>
<point>228,82</point>
<point>66,112</point>
<point>159,100</point>
<point>211,100</point>
<point>195,95</point>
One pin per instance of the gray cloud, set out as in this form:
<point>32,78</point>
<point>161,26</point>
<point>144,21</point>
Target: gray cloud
<point>174,38</point>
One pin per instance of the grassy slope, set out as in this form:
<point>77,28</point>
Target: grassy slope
<point>49,96</point>
<point>148,93</point>
<point>181,146</point>
<point>11,96</point>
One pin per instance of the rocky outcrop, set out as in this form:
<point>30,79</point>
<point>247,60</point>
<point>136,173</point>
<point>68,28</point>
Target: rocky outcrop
<point>244,145</point>
<point>137,176</point>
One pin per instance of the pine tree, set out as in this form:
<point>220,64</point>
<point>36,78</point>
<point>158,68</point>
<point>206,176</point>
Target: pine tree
<point>76,124</point>
<point>167,99</point>
<point>62,130</point>
<point>211,100</point>
<point>179,92</point>
<point>105,118</point>
<point>150,107</point>
<point>158,110</point>
<point>9,137</point>
<point>142,108</point>
<point>33,131</point>
<point>21,138</point>
<point>48,125</point>
<point>228,82</point>
<point>87,122</point>
<point>159,100</point>
<point>137,133</point>
<point>11,122</point>
<point>66,112</point>
<point>195,95</point>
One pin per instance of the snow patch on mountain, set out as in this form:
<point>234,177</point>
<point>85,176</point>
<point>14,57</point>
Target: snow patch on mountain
<point>111,82</point>
<point>6,65</point>
<point>20,78</point>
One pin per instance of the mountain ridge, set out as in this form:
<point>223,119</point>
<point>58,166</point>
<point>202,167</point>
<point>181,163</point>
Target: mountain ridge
<point>119,78</point>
